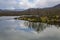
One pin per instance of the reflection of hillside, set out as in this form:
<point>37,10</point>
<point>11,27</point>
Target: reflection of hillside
<point>37,26</point>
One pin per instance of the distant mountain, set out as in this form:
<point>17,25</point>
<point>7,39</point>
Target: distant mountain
<point>11,9</point>
<point>57,6</point>
<point>33,11</point>
<point>19,10</point>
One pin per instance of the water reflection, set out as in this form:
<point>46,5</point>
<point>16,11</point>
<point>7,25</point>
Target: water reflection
<point>23,30</point>
<point>36,26</point>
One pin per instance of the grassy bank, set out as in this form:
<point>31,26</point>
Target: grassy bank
<point>44,19</point>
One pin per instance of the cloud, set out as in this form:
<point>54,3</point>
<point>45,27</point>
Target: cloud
<point>40,3</point>
<point>24,4</point>
<point>52,2</point>
<point>7,4</point>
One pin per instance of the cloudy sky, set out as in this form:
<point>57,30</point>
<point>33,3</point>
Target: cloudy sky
<point>24,4</point>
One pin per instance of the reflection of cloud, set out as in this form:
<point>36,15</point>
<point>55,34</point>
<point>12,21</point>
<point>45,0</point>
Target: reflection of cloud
<point>21,35</point>
<point>8,32</point>
<point>23,25</point>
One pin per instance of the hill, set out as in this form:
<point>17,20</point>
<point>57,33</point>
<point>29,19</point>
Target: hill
<point>33,11</point>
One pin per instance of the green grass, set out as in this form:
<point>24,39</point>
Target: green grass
<point>44,19</point>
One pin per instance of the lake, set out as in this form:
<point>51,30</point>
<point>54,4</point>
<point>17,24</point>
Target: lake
<point>11,29</point>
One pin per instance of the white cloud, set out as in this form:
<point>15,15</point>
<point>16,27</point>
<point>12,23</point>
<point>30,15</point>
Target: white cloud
<point>39,3</point>
<point>23,4</point>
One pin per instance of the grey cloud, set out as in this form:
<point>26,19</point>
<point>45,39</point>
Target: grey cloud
<point>7,4</point>
<point>14,4</point>
<point>53,3</point>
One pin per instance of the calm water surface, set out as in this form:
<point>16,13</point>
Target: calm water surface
<point>11,29</point>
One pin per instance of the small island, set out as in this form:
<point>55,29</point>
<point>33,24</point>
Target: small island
<point>43,19</point>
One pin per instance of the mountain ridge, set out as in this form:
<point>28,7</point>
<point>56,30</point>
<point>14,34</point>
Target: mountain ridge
<point>34,11</point>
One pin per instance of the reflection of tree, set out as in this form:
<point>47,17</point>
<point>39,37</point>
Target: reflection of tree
<point>37,26</point>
